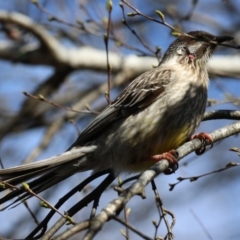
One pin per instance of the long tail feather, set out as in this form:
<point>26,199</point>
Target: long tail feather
<point>45,173</point>
<point>38,185</point>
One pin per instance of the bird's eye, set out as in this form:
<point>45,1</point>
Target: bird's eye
<point>191,41</point>
<point>181,50</point>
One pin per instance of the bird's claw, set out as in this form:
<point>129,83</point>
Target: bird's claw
<point>205,139</point>
<point>171,157</point>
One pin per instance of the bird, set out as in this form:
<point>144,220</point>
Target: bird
<point>155,114</point>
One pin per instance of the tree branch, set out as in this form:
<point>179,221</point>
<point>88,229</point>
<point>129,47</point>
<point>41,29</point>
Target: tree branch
<point>86,57</point>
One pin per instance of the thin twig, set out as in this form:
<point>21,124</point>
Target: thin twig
<point>3,184</point>
<point>176,32</point>
<point>201,224</point>
<point>45,203</point>
<point>195,178</point>
<point>126,212</point>
<point>52,17</point>
<point>31,212</point>
<point>131,227</point>
<point>43,99</point>
<point>137,12</point>
<point>124,21</point>
<point>164,211</point>
<point>106,39</point>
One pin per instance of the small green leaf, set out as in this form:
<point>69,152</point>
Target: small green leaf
<point>2,185</point>
<point>70,221</point>
<point>44,204</point>
<point>131,14</point>
<point>161,15</point>
<point>25,186</point>
<point>123,232</point>
<point>41,97</point>
<point>109,5</point>
<point>119,180</point>
<point>176,34</point>
<point>128,211</point>
<point>87,106</point>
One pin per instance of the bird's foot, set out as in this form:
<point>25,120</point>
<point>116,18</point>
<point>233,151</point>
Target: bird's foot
<point>171,157</point>
<point>206,139</point>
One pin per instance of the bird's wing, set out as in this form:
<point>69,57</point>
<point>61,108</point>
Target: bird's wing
<point>140,93</point>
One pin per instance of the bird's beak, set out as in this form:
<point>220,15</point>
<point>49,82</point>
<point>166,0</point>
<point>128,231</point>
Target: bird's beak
<point>222,39</point>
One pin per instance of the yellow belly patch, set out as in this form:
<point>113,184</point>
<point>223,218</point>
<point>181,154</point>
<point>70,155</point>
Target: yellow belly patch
<point>165,144</point>
<point>171,141</point>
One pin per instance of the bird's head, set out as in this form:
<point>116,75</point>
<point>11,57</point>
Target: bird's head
<point>197,47</point>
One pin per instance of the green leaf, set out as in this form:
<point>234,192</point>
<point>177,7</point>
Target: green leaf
<point>109,5</point>
<point>161,15</point>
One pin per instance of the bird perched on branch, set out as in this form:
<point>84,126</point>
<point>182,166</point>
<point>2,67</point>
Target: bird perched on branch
<point>156,113</point>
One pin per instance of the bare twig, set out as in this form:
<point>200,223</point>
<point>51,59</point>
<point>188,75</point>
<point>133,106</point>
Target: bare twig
<point>126,212</point>
<point>214,102</point>
<point>124,21</point>
<point>163,212</point>
<point>201,224</point>
<point>127,225</point>
<point>45,203</point>
<point>4,184</point>
<point>137,12</point>
<point>31,212</point>
<point>195,178</point>
<point>43,99</point>
<point>175,32</point>
<point>52,17</point>
<point>106,38</point>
